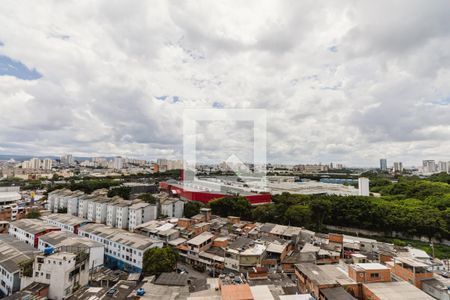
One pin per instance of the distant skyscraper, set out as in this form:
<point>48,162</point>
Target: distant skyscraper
<point>67,159</point>
<point>363,186</point>
<point>35,163</point>
<point>26,164</point>
<point>163,164</point>
<point>428,166</point>
<point>383,164</point>
<point>442,166</point>
<point>47,164</point>
<point>118,163</point>
<point>398,167</point>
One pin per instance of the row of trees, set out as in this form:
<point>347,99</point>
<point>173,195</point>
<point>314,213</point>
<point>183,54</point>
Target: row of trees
<point>87,186</point>
<point>410,206</point>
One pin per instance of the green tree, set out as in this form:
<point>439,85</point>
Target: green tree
<point>299,215</point>
<point>191,208</point>
<point>320,209</point>
<point>232,206</point>
<point>264,213</point>
<point>149,198</point>
<point>33,214</point>
<point>159,260</point>
<point>121,191</point>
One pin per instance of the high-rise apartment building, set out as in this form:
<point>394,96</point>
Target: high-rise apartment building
<point>363,186</point>
<point>398,167</point>
<point>383,164</point>
<point>47,164</point>
<point>442,166</point>
<point>26,164</point>
<point>429,166</point>
<point>67,159</point>
<point>166,164</point>
<point>118,163</point>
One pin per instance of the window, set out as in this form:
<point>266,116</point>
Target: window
<point>47,276</point>
<point>374,275</point>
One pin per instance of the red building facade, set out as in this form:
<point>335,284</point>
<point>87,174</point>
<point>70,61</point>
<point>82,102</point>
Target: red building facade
<point>206,197</point>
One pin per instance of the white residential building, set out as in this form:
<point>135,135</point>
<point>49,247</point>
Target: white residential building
<point>65,222</point>
<point>35,163</point>
<point>47,164</point>
<point>72,206</point>
<point>118,163</point>
<point>64,272</point>
<point>52,199</point>
<point>140,213</point>
<point>363,186</point>
<point>26,164</point>
<point>172,207</point>
<point>111,209</point>
<point>69,242</point>
<point>123,249</point>
<point>398,167</point>
<point>58,200</point>
<point>429,166</point>
<point>28,230</point>
<point>83,203</point>
<point>92,208</point>
<point>73,203</point>
<point>122,216</point>
<point>101,210</point>
<point>442,166</point>
<point>67,159</point>
<point>13,251</point>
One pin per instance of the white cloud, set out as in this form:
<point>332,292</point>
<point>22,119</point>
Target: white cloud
<point>346,82</point>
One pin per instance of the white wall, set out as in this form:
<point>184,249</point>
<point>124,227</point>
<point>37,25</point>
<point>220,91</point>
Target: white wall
<point>83,208</point>
<point>91,211</point>
<point>8,279</point>
<point>21,235</point>
<point>100,216</point>
<point>111,215</point>
<point>122,217</point>
<point>55,272</point>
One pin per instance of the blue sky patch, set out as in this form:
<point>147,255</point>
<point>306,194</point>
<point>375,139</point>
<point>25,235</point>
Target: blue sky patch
<point>217,105</point>
<point>17,69</point>
<point>443,101</point>
<point>333,49</point>
<point>173,99</point>
<point>162,98</point>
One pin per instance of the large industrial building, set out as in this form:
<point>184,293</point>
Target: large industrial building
<point>203,191</point>
<point>9,195</point>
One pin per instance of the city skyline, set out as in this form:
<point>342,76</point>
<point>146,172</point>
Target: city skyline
<point>86,79</point>
<point>384,164</point>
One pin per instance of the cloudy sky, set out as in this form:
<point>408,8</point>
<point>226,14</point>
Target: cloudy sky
<point>341,81</point>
